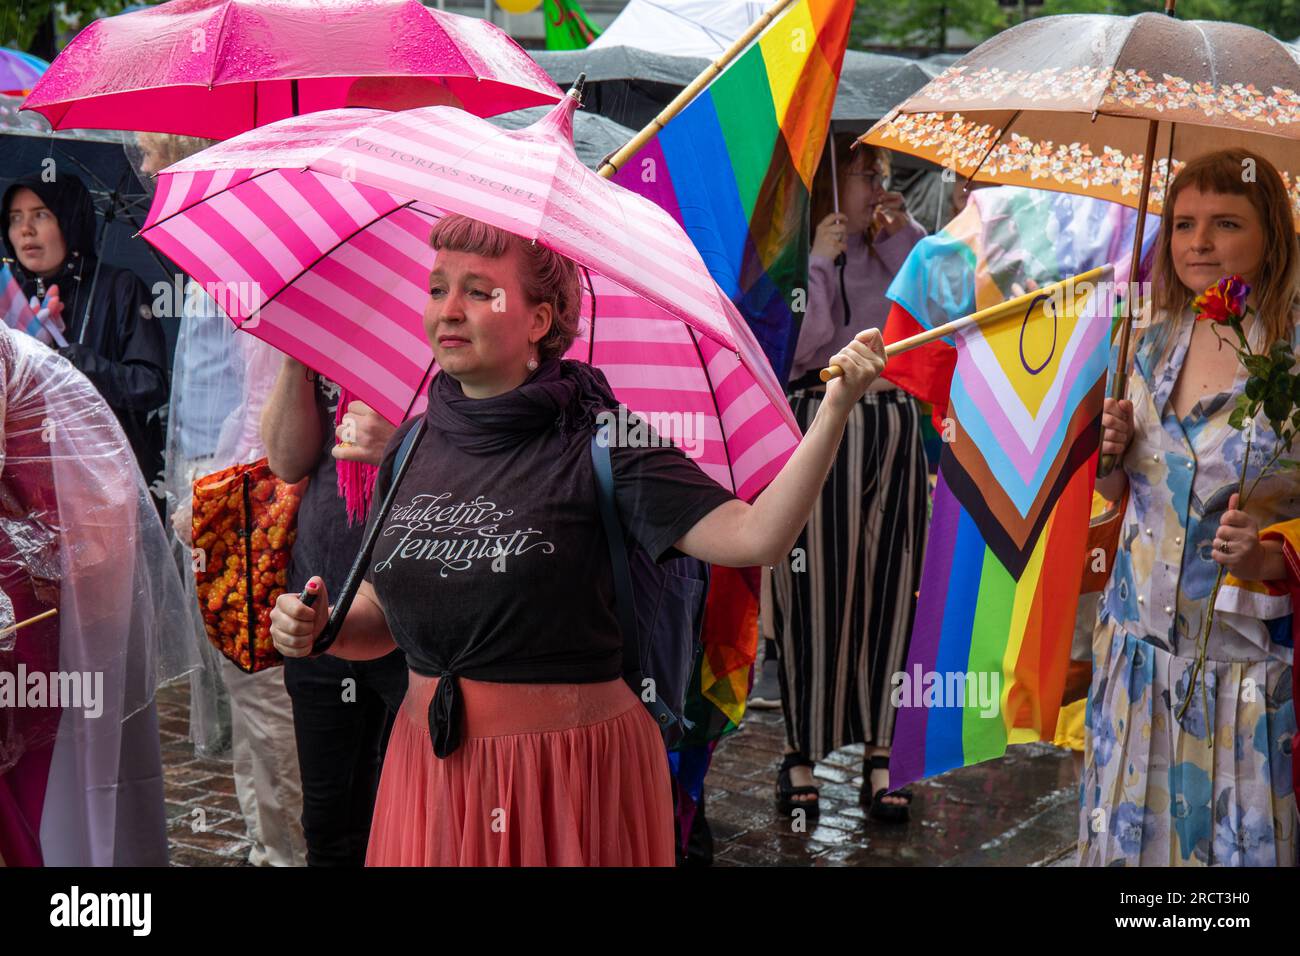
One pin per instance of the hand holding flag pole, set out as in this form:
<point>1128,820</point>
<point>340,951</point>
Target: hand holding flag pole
<point>1018,307</point>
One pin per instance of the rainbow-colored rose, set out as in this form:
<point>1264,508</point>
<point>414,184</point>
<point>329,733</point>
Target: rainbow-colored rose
<point>1224,302</point>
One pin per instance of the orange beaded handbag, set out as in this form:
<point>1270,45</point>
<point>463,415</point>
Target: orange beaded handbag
<point>245,522</point>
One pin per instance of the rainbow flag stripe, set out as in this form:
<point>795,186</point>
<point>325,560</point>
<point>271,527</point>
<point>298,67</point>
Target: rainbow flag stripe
<point>730,640</point>
<point>735,167</point>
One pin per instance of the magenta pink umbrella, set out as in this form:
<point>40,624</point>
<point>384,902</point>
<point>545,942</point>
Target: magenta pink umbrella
<point>216,68</point>
<point>312,234</point>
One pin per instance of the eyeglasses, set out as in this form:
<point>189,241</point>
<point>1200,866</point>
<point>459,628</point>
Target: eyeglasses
<point>872,178</point>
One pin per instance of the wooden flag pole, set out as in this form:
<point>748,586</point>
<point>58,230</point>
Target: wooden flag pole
<point>31,620</point>
<point>615,162</point>
<point>1007,309</point>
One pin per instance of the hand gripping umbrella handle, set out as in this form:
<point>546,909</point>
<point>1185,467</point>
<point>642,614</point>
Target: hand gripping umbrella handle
<point>1120,383</point>
<point>339,612</point>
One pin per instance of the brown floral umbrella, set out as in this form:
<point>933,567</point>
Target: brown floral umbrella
<point>1068,102</point>
<point>1106,106</point>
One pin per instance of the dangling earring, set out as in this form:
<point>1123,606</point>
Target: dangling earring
<point>532,363</point>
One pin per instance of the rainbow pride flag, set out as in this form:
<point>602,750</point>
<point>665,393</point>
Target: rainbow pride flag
<point>720,685</point>
<point>990,644</point>
<point>736,166</point>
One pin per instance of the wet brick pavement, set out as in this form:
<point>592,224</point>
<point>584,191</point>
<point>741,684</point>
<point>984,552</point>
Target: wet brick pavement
<point>204,825</point>
<point>1020,810</point>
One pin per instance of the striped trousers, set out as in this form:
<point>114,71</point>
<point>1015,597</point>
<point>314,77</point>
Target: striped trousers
<point>844,598</point>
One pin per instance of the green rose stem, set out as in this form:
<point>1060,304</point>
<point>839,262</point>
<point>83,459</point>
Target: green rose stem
<point>1203,644</point>
<point>1271,387</point>
<point>1275,391</point>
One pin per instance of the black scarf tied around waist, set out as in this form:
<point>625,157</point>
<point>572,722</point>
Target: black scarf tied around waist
<point>561,394</point>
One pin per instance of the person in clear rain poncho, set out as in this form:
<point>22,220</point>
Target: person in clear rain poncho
<point>80,767</point>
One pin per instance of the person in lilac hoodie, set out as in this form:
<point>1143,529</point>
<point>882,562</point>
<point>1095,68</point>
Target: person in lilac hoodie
<point>844,600</point>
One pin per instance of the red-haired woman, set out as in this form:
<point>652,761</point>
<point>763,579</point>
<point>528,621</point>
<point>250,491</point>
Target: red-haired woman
<point>518,742</point>
<point>1182,768</point>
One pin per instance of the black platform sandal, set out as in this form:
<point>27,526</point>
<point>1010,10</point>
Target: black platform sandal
<point>786,791</point>
<point>876,808</point>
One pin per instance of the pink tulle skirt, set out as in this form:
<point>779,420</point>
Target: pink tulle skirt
<point>546,775</point>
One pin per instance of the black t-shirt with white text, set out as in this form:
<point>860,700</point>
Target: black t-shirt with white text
<point>495,566</point>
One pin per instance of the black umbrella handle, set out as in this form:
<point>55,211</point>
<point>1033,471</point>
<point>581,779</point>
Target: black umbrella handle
<point>840,261</point>
<point>339,611</point>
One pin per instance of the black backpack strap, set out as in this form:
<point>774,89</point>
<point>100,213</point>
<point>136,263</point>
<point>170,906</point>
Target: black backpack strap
<point>404,449</point>
<point>617,550</point>
<point>623,599</point>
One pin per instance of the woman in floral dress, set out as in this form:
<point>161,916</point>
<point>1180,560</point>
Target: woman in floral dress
<point>1212,786</point>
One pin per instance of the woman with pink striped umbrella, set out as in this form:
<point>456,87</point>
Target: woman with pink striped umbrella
<point>314,233</point>
<point>519,743</point>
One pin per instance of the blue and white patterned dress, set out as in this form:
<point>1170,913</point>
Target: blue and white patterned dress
<point>1157,791</point>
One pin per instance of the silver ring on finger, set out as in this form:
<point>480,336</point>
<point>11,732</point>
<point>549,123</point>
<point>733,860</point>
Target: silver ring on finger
<point>1223,547</point>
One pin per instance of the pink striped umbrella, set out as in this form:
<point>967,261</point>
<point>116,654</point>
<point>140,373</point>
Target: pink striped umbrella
<point>312,233</point>
<point>216,68</point>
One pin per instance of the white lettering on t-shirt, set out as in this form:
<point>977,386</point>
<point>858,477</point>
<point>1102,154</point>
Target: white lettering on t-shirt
<point>432,528</point>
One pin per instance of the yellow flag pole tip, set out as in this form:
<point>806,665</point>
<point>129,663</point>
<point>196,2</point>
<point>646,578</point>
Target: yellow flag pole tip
<point>829,373</point>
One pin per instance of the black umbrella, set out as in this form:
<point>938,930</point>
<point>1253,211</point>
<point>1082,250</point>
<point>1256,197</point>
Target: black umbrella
<point>99,159</point>
<point>625,84</point>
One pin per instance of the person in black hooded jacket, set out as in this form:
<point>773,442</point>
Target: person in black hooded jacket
<point>113,337</point>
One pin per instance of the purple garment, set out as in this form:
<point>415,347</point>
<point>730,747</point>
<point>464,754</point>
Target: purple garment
<point>866,278</point>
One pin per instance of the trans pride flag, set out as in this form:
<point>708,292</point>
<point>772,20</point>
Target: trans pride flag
<point>1008,536</point>
<point>736,166</point>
